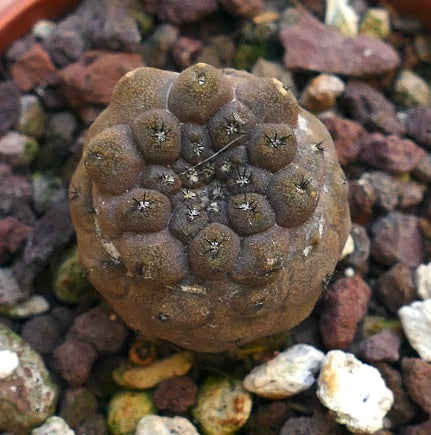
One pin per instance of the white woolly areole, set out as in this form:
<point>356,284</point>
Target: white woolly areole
<point>9,361</point>
<point>356,392</point>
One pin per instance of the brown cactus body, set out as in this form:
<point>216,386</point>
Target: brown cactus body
<point>209,208</point>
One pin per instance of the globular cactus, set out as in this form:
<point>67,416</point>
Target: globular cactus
<point>209,208</point>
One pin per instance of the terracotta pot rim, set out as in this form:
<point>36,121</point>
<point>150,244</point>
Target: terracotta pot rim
<point>18,16</point>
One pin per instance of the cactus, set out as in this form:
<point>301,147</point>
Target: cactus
<point>209,207</point>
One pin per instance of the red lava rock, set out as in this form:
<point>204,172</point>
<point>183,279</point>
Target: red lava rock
<point>346,134</point>
<point>74,360</point>
<point>244,8</point>
<point>311,45</point>
<point>383,346</point>
<point>94,424</point>
<point>77,404</point>
<point>411,194</point>
<point>52,232</point>
<point>390,153</point>
<point>397,237</point>
<point>362,197</point>
<point>402,410</point>
<point>92,79</point>
<point>12,235</point>
<point>9,105</point>
<point>417,378</point>
<point>387,189</point>
<point>185,50</point>
<point>396,287</point>
<point>33,68</point>
<point>105,331</point>
<point>42,333</point>
<point>339,315</point>
<point>176,394</point>
<point>371,108</point>
<point>185,11</point>
<point>268,419</point>
<point>422,170</point>
<point>418,429</point>
<point>418,125</point>
<point>318,424</point>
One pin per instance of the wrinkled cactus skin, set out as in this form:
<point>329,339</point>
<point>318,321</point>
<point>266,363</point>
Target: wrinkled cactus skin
<point>209,208</point>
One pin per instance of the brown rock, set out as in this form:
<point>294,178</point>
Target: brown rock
<point>396,287</point>
<point>402,410</point>
<point>383,346</point>
<point>51,233</point>
<point>15,196</point>
<point>339,316</point>
<point>358,259</point>
<point>244,8</point>
<point>42,333</point>
<point>417,377</point>
<point>397,237</point>
<point>74,360</point>
<point>371,108</point>
<point>311,45</point>
<point>346,134</point>
<point>9,105</point>
<point>176,394</point>
<point>422,170</point>
<point>104,330</point>
<point>185,11</point>
<point>418,125</point>
<point>185,50</point>
<point>268,419</point>
<point>92,79</point>
<point>33,68</point>
<point>390,153</point>
<point>12,235</point>
<point>418,429</point>
<point>316,425</point>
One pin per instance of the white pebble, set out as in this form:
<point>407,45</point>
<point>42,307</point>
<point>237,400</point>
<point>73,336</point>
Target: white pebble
<point>422,277</point>
<point>354,391</point>
<point>416,321</point>
<point>156,425</point>
<point>32,306</point>
<point>8,363</point>
<point>289,373</point>
<point>53,426</point>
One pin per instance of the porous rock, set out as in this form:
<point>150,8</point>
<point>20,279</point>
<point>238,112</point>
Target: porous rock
<point>422,278</point>
<point>157,425</point>
<point>289,373</point>
<point>53,426</point>
<point>416,321</point>
<point>354,391</point>
<point>339,316</point>
<point>311,45</point>
<point>417,378</point>
<point>27,394</point>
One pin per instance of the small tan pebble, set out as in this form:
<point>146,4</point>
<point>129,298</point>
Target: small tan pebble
<point>321,93</point>
<point>147,377</point>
